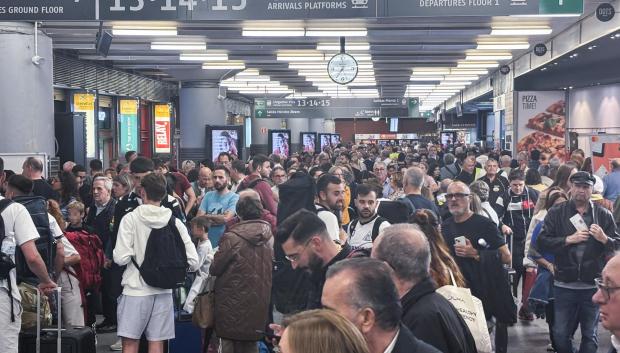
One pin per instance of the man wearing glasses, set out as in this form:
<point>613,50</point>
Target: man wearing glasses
<point>581,235</point>
<point>471,236</point>
<point>380,171</point>
<point>308,246</point>
<point>607,297</point>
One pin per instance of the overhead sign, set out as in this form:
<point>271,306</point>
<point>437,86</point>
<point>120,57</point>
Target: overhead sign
<point>162,128</point>
<point>336,108</point>
<point>200,10</point>
<point>85,103</point>
<point>128,121</point>
<point>386,137</point>
<point>47,10</point>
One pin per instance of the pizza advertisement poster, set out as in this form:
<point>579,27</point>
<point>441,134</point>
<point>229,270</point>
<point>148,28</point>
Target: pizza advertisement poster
<point>605,149</point>
<point>542,123</point>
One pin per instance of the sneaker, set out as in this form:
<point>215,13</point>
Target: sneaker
<point>118,346</point>
<point>550,348</point>
<point>525,315</point>
<point>107,329</point>
<point>102,324</point>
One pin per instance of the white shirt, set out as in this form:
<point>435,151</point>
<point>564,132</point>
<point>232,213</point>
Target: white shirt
<point>18,229</point>
<point>615,342</point>
<point>362,233</point>
<point>331,222</point>
<point>390,348</point>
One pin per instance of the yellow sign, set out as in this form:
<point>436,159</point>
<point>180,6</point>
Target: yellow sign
<point>162,111</point>
<point>85,103</point>
<point>129,106</point>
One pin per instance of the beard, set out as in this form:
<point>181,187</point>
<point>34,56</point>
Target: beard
<point>220,187</point>
<point>315,263</point>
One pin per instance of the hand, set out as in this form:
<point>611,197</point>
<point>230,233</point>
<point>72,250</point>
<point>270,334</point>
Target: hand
<point>278,330</point>
<point>466,250</point>
<point>551,269</point>
<point>47,287</point>
<point>506,230</point>
<point>578,237</point>
<point>597,232</point>
<point>107,263</point>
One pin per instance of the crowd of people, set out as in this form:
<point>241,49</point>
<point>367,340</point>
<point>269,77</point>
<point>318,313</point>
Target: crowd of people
<point>350,245</point>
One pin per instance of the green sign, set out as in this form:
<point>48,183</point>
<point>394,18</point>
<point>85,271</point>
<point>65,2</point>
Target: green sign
<point>128,121</point>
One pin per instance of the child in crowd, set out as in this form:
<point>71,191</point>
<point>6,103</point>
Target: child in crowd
<point>72,312</point>
<point>199,231</point>
<point>75,215</point>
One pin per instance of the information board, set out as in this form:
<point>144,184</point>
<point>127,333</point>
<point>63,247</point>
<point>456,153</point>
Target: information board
<point>335,108</point>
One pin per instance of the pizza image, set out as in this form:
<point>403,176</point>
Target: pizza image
<point>549,123</point>
<point>548,145</point>
<point>557,108</point>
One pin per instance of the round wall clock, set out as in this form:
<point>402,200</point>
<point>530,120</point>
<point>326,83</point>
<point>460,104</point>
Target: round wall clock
<point>342,68</point>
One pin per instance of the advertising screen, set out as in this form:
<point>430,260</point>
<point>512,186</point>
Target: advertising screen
<point>280,142</point>
<point>224,139</point>
<point>308,142</point>
<point>325,140</point>
<point>335,139</point>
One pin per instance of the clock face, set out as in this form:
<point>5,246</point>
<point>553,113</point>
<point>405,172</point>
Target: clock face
<point>342,68</point>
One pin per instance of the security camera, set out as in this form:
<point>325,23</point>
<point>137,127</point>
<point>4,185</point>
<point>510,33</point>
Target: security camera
<point>37,60</point>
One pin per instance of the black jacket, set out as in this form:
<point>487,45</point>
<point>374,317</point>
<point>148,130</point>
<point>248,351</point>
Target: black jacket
<point>498,187</point>
<point>518,211</point>
<point>318,279</point>
<point>432,318</point>
<point>569,266</point>
<point>406,342</point>
<point>101,224</point>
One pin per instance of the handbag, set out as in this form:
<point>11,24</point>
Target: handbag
<point>204,305</point>
<point>471,311</point>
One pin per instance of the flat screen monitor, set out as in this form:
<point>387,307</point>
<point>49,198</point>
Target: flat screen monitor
<point>308,142</point>
<point>335,139</point>
<point>325,141</point>
<point>224,139</point>
<point>280,142</point>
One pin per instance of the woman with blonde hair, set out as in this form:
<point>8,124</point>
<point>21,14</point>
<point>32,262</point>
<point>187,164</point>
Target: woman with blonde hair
<point>442,262</point>
<point>321,331</point>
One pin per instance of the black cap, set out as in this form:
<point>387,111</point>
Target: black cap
<point>582,178</point>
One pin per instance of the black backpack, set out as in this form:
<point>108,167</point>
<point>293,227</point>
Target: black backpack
<point>165,260</point>
<point>46,244</point>
<point>396,211</point>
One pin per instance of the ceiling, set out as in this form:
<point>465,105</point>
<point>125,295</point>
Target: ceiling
<point>396,47</point>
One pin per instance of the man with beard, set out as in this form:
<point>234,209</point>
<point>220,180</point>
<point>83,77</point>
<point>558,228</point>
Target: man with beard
<point>363,231</point>
<point>218,205</point>
<point>582,235</point>
<point>498,186</point>
<point>329,202</point>
<point>307,245</point>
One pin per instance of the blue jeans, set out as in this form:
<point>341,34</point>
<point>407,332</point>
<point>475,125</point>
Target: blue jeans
<point>574,307</point>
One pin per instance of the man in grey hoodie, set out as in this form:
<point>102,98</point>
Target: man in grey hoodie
<point>143,308</point>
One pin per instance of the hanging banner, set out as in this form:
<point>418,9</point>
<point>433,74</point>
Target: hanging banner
<point>128,121</point>
<point>85,103</point>
<point>541,123</point>
<point>605,149</point>
<point>162,128</point>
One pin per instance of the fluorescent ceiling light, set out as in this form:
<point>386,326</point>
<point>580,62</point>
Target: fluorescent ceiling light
<point>461,78</point>
<point>426,78</point>
<point>248,72</point>
<point>336,32</point>
<point>178,46</point>
<point>468,72</point>
<point>500,46</point>
<point>323,66</point>
<point>347,46</point>
<point>479,64</point>
<point>204,57</point>
<point>483,57</point>
<point>144,31</point>
<point>428,70</point>
<point>302,57</point>
<point>521,31</point>
<point>224,66</point>
<point>249,79</point>
<point>273,32</point>
<point>455,83</point>
<point>430,73</point>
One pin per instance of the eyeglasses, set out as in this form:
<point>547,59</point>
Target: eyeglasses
<point>295,257</point>
<point>606,290</point>
<point>456,195</point>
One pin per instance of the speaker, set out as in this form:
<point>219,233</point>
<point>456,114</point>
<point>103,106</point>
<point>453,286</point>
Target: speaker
<point>103,42</point>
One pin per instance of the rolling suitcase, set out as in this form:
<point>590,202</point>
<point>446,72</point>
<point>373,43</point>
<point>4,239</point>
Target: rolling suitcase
<point>57,340</point>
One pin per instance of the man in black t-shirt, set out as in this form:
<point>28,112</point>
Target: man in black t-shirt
<point>33,170</point>
<point>466,234</point>
<point>412,186</point>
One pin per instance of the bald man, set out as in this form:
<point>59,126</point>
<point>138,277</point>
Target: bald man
<point>607,297</point>
<point>68,166</point>
<point>428,315</point>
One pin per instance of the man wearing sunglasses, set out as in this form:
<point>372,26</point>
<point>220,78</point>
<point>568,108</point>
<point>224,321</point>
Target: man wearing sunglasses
<point>607,297</point>
<point>581,235</point>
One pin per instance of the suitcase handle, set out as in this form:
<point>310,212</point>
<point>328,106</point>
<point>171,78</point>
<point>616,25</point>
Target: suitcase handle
<point>59,318</point>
